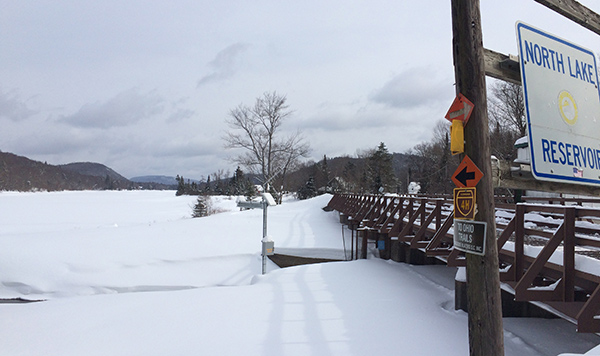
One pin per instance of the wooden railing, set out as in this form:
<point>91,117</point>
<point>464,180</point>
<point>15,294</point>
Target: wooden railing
<point>547,253</point>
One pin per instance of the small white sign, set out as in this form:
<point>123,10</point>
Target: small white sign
<point>562,104</point>
<point>269,199</point>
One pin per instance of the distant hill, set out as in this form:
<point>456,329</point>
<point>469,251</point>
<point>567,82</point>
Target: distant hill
<point>23,174</point>
<point>18,173</point>
<point>95,170</point>
<point>166,180</point>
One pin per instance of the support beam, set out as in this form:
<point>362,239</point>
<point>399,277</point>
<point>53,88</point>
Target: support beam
<point>575,12</point>
<point>503,177</point>
<point>502,66</point>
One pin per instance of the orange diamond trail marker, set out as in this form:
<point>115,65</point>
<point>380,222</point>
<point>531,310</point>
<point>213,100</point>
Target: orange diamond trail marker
<point>467,174</point>
<point>460,109</point>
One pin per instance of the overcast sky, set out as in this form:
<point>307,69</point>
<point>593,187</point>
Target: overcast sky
<point>145,87</point>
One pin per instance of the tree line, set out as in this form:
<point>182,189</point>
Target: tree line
<point>274,161</point>
<point>429,163</point>
<point>432,163</point>
<point>238,184</point>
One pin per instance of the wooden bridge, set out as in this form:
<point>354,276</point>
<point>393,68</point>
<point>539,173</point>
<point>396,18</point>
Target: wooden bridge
<point>548,248</point>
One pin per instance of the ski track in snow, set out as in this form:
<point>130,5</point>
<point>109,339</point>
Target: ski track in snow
<point>130,273</point>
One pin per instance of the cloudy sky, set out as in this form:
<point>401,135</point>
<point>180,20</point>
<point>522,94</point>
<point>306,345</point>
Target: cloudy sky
<point>145,86</point>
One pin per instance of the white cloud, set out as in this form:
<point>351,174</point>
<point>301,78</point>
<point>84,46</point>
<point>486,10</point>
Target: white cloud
<point>224,65</point>
<point>384,70</point>
<point>124,109</point>
<point>12,107</point>
<point>416,87</point>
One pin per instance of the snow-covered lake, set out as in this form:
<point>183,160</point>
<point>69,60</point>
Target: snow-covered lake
<point>131,273</point>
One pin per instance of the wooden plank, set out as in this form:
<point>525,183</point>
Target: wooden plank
<point>569,255</point>
<point>389,222</point>
<point>501,66</point>
<point>506,232</point>
<point>504,178</point>
<point>522,289</point>
<point>575,12</point>
<point>456,258</point>
<point>519,262</point>
<point>424,225</point>
<point>439,236</point>
<point>411,222</point>
<point>586,319</point>
<point>399,223</point>
<point>385,213</point>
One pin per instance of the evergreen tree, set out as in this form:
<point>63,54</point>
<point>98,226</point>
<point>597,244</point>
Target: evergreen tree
<point>308,190</point>
<point>239,183</point>
<point>180,185</point>
<point>380,170</point>
<point>200,208</point>
<point>249,190</point>
<point>349,177</point>
<point>208,188</point>
<point>322,175</point>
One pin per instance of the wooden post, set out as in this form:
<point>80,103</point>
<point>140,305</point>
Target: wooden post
<point>568,278</point>
<point>352,245</point>
<point>364,241</point>
<point>483,278</point>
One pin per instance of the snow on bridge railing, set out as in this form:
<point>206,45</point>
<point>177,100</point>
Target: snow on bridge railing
<point>547,253</point>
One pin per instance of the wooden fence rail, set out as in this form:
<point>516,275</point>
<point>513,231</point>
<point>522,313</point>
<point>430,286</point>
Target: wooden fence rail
<point>547,253</point>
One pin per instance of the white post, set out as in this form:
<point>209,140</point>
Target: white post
<point>264,252</point>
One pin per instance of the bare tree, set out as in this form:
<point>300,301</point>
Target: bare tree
<point>507,107</point>
<point>256,131</point>
<point>431,163</point>
<point>292,150</point>
<point>507,114</point>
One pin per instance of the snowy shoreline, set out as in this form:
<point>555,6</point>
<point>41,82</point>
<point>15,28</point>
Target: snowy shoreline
<point>126,273</point>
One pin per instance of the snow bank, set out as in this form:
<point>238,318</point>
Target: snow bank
<point>84,243</point>
<point>130,273</point>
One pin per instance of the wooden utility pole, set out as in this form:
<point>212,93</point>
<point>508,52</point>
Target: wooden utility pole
<point>483,281</point>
